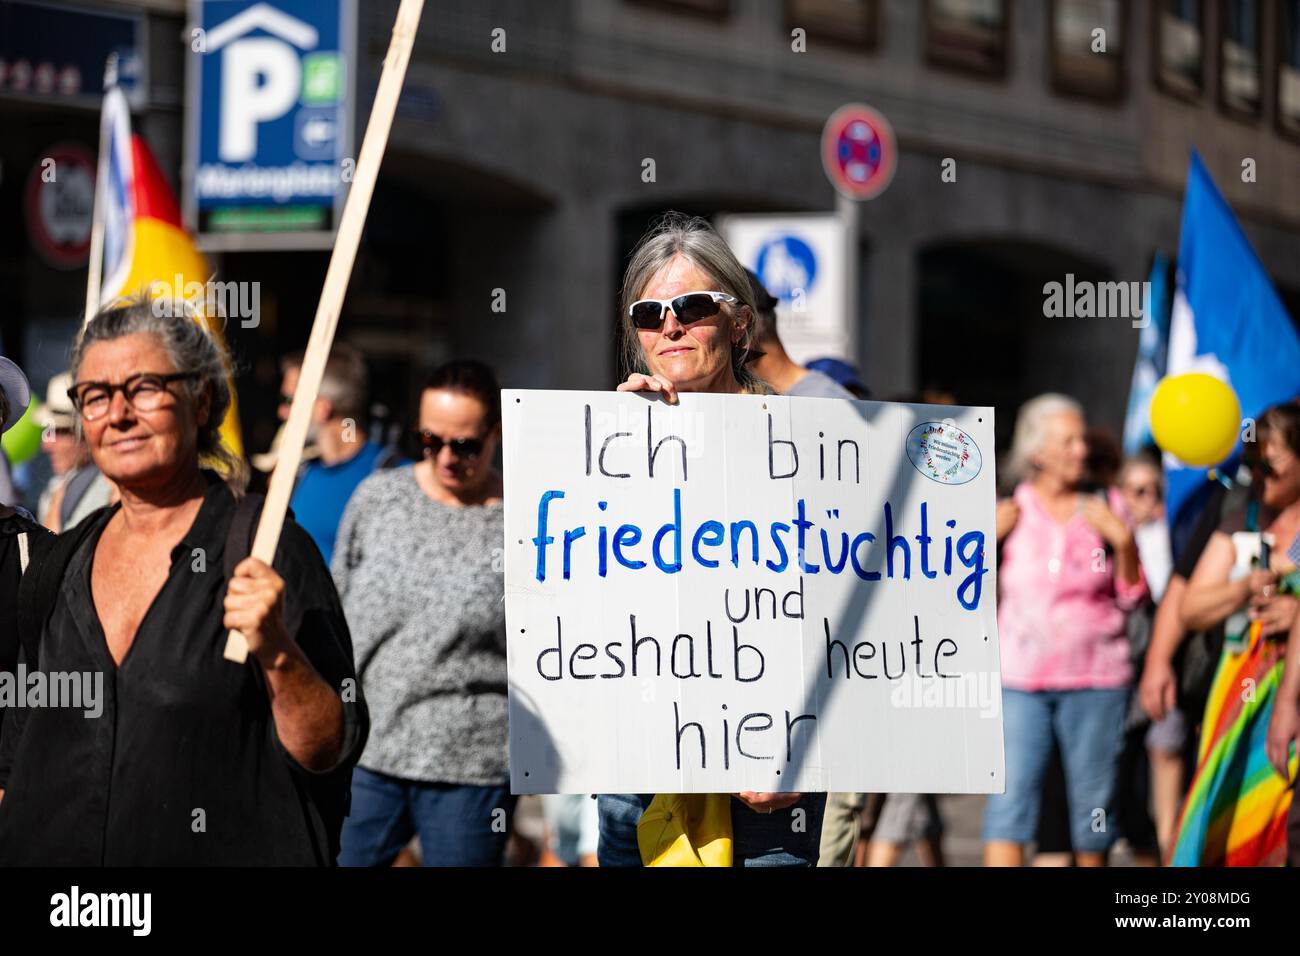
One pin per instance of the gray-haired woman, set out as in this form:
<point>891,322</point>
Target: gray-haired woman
<point>168,753</point>
<point>687,324</point>
<point>1068,573</point>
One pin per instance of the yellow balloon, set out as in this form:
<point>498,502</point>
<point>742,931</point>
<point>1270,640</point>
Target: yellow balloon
<point>1195,417</point>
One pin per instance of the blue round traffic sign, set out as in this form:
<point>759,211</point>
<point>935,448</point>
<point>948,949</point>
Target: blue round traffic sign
<point>785,265</point>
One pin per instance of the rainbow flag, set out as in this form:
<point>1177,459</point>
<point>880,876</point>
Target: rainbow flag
<point>1236,808</point>
<point>146,248</point>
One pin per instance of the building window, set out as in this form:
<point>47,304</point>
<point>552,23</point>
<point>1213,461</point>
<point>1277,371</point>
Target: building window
<point>1180,46</point>
<point>1240,77</point>
<point>1088,47</point>
<point>851,22</point>
<point>1288,68</point>
<point>967,35</point>
<point>713,8</point>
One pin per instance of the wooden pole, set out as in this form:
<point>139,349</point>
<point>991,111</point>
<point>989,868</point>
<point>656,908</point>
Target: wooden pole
<point>331,300</point>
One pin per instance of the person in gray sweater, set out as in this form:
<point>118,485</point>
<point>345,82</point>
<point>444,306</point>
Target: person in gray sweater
<point>418,567</point>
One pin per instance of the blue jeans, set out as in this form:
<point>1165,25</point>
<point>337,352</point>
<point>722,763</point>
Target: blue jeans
<point>459,825</point>
<point>758,839</point>
<point>1088,726</point>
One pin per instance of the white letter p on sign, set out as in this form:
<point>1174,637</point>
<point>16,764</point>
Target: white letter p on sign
<point>259,81</point>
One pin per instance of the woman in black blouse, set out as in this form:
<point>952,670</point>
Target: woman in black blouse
<point>175,755</point>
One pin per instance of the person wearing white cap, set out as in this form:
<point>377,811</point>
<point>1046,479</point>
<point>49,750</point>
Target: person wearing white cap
<point>20,535</point>
<point>76,488</point>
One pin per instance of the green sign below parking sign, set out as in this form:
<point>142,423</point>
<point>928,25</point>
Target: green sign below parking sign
<point>322,78</point>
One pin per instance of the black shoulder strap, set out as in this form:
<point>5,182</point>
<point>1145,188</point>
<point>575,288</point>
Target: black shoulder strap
<point>39,588</point>
<point>239,537</point>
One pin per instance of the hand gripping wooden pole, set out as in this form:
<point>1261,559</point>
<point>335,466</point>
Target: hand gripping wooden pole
<point>331,299</point>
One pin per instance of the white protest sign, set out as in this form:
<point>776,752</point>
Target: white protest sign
<point>749,592</point>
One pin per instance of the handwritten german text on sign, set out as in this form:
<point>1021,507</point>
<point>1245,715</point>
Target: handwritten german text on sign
<point>750,593</point>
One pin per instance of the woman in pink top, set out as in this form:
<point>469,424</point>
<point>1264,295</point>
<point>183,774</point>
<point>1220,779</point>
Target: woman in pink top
<point>1068,573</point>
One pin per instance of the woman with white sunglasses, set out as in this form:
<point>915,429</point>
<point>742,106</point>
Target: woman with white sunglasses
<point>687,326</point>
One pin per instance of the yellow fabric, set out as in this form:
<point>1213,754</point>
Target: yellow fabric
<point>160,253</point>
<point>686,829</point>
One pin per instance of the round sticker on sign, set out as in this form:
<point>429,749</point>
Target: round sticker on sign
<point>944,453</point>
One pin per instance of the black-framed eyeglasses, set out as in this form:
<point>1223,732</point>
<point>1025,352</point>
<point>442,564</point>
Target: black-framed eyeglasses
<point>432,444</point>
<point>648,314</point>
<point>144,392</point>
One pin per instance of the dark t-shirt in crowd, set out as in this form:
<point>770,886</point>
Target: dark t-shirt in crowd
<point>1211,515</point>
<point>11,571</point>
<point>182,765</point>
<point>1225,510</point>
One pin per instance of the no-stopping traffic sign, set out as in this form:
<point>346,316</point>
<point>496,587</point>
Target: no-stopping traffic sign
<point>858,151</point>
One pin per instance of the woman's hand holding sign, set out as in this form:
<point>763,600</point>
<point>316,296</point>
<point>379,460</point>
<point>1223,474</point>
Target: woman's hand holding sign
<point>637,382</point>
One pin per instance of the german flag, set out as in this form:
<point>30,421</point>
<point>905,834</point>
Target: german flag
<point>146,247</point>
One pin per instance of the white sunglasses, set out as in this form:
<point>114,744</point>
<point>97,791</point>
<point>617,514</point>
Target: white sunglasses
<point>648,314</point>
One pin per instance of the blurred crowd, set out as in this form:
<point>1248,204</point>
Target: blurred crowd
<point>1121,660</point>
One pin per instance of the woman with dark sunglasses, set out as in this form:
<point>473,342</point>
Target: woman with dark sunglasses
<point>687,326</point>
<point>418,566</point>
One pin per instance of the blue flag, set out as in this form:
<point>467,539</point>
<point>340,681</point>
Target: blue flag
<point>1149,367</point>
<point>1226,321</point>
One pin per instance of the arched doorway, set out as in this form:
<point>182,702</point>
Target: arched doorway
<point>985,336</point>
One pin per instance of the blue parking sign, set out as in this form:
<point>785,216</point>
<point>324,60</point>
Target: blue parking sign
<point>269,121</point>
